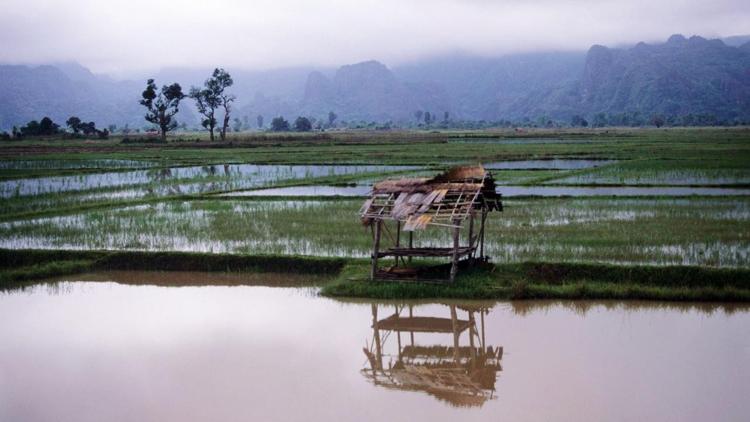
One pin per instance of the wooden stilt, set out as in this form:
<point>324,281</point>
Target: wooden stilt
<point>471,231</point>
<point>481,234</point>
<point>398,238</point>
<point>411,244</point>
<point>454,260</point>
<point>375,249</point>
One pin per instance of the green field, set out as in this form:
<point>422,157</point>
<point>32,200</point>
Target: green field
<point>160,198</point>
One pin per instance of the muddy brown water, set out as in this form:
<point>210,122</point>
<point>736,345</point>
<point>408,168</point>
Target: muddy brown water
<point>128,346</point>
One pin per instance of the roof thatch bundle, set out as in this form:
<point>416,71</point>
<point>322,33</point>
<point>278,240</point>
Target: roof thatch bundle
<point>446,199</point>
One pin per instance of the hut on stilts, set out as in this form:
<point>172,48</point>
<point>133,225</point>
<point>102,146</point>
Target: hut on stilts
<point>450,200</point>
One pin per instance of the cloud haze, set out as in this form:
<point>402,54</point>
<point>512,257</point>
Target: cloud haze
<point>124,36</point>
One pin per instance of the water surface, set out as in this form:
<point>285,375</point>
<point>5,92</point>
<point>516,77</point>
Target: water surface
<point>554,164</point>
<point>126,348</point>
<point>509,191</point>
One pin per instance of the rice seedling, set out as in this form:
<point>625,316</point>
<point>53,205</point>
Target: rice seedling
<point>622,231</point>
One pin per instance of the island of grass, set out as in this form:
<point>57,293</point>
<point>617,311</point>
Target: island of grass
<point>346,277</point>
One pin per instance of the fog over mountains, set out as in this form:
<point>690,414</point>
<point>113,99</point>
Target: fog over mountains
<point>678,77</point>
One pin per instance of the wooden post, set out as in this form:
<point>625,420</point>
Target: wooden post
<point>375,248</point>
<point>411,245</point>
<point>454,261</point>
<point>471,231</point>
<point>481,234</point>
<point>398,238</point>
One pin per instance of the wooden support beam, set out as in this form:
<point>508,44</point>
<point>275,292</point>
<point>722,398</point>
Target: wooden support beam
<point>481,234</point>
<point>471,230</point>
<point>375,248</point>
<point>454,260</point>
<point>398,237</point>
<point>411,244</point>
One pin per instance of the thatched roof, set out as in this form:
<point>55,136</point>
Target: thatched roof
<point>446,199</point>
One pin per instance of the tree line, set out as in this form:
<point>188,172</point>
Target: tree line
<point>213,100</point>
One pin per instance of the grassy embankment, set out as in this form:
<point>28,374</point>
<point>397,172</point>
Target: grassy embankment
<point>507,281</point>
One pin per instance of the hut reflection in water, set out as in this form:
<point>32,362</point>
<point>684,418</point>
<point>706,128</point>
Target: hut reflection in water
<point>460,375</point>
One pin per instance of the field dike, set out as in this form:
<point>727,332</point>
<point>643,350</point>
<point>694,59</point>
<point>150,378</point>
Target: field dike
<point>348,277</point>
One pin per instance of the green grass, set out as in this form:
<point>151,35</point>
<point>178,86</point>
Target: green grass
<point>625,231</point>
<point>593,239</point>
<point>557,281</point>
<point>348,277</point>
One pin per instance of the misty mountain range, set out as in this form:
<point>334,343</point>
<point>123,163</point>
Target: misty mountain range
<point>679,77</point>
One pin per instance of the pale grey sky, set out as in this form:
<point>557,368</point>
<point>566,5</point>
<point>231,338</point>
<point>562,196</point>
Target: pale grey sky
<point>125,36</point>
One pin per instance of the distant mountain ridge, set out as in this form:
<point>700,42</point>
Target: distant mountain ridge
<point>678,77</point>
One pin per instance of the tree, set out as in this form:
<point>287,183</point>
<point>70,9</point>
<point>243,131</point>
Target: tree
<point>222,81</point>
<point>259,121</point>
<point>657,120</point>
<point>302,124</point>
<point>427,118</point>
<point>73,123</point>
<point>88,128</point>
<point>237,124</point>
<point>48,127</point>
<point>578,120</point>
<point>418,114</point>
<point>162,105</point>
<point>446,116</point>
<point>207,100</point>
<point>600,120</point>
<point>279,124</point>
<point>332,118</point>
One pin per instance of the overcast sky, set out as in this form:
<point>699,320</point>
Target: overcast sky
<point>123,37</point>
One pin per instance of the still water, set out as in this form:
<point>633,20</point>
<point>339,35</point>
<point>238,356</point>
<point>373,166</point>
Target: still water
<point>132,347</point>
<point>512,191</point>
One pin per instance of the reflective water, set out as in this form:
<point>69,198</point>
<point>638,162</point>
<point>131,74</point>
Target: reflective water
<point>192,179</point>
<point>232,350</point>
<point>510,191</point>
<point>555,164</point>
<point>316,190</point>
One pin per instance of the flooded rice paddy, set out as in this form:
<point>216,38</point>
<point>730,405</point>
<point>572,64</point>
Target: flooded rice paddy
<point>124,347</point>
<point>184,179</point>
<point>678,231</point>
<point>72,164</point>
<point>553,164</point>
<point>511,191</point>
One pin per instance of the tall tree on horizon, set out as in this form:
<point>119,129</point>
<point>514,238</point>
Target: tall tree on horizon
<point>162,105</point>
<point>212,96</point>
<point>223,81</point>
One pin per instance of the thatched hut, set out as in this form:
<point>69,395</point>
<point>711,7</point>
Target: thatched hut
<point>449,200</point>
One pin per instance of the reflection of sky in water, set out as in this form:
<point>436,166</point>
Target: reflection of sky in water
<point>104,351</point>
<point>556,164</point>
<point>508,191</point>
<point>231,176</point>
